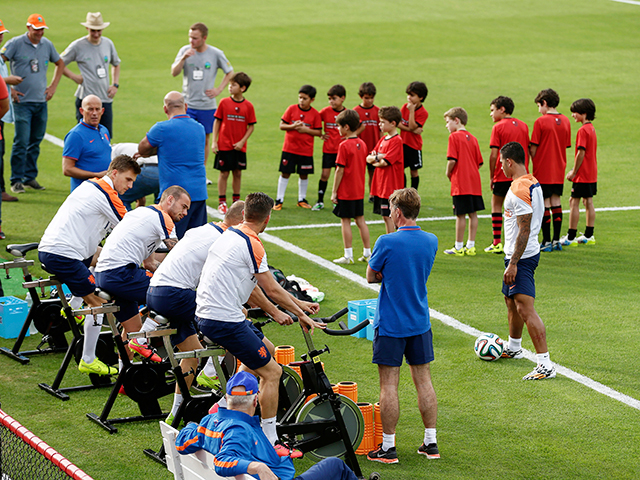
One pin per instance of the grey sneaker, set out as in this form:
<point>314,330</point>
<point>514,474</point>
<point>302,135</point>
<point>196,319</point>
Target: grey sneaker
<point>34,184</point>
<point>540,373</point>
<point>17,187</point>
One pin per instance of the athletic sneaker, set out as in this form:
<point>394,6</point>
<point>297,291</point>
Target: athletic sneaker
<point>208,382</point>
<point>546,247</point>
<point>121,391</point>
<point>565,242</point>
<point>2,235</point>
<point>431,451</point>
<point>364,258</point>
<point>303,203</point>
<point>34,184</point>
<point>209,182</point>
<point>278,205</point>
<point>506,353</point>
<point>144,351</point>
<point>344,261</point>
<point>318,206</point>
<point>494,248</point>
<point>384,456</point>
<point>97,367</point>
<point>540,373</point>
<point>17,187</point>
<point>79,318</point>
<point>453,251</point>
<point>586,241</point>
<point>470,251</point>
<point>222,208</point>
<point>555,246</point>
<point>170,418</point>
<point>284,451</point>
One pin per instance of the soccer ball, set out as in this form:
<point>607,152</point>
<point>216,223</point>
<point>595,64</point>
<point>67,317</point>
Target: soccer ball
<point>489,347</point>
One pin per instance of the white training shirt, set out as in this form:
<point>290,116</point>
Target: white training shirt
<point>82,221</point>
<point>183,265</point>
<point>524,197</point>
<point>228,275</point>
<point>135,238</point>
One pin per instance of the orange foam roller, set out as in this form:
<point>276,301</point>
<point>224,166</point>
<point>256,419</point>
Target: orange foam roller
<point>349,389</point>
<point>335,388</point>
<point>285,354</point>
<point>296,368</point>
<point>377,434</point>
<point>366,445</point>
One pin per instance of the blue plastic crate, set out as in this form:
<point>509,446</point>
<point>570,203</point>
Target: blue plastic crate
<point>13,313</point>
<point>371,313</point>
<point>358,313</point>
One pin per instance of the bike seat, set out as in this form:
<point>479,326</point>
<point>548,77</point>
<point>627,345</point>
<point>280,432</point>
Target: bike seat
<point>21,249</point>
<point>159,319</point>
<point>103,294</point>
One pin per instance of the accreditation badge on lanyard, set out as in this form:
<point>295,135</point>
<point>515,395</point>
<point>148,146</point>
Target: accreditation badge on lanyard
<point>101,72</point>
<point>198,74</point>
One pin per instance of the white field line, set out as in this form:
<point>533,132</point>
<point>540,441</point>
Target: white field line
<point>446,319</point>
<point>631,2</point>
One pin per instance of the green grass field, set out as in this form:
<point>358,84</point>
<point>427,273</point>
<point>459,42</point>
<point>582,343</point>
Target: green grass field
<point>490,422</point>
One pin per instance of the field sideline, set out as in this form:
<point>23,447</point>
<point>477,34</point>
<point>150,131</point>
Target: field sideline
<point>490,422</point>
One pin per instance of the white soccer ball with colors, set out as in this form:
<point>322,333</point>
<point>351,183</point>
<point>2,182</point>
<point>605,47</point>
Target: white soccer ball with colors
<point>489,347</point>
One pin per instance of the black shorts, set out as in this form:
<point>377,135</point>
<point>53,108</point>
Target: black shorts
<point>349,208</point>
<point>381,206</point>
<point>294,163</point>
<point>370,169</point>
<point>552,189</point>
<point>584,190</point>
<point>500,189</point>
<point>230,160</point>
<point>329,160</point>
<point>412,157</point>
<point>463,204</point>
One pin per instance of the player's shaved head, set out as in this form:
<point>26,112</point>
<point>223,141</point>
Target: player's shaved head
<point>89,99</point>
<point>174,101</point>
<point>235,214</point>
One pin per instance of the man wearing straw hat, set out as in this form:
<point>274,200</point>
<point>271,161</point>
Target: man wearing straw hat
<point>29,56</point>
<point>94,54</point>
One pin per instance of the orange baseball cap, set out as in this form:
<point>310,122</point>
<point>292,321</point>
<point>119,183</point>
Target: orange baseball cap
<point>3,29</point>
<point>36,21</point>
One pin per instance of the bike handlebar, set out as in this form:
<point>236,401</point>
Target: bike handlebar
<point>343,328</point>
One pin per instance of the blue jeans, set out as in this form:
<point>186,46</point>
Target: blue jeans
<point>146,183</point>
<point>30,127</point>
<point>329,468</point>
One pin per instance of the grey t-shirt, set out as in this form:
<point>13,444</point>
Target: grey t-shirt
<point>199,74</point>
<point>30,62</point>
<point>93,62</point>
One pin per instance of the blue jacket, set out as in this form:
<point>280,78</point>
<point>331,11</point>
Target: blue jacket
<point>235,439</point>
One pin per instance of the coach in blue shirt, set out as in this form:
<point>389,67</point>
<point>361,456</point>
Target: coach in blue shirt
<point>179,144</point>
<point>402,261</point>
<point>87,151</point>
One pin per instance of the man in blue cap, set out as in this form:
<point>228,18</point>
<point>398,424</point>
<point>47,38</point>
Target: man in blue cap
<point>246,448</point>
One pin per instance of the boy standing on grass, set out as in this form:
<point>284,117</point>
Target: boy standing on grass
<point>234,123</point>
<point>463,162</point>
<point>506,129</point>
<point>369,131</point>
<point>413,117</point>
<point>584,174</point>
<point>388,160</point>
<point>523,212</point>
<point>331,138</point>
<point>548,149</point>
<point>348,185</point>
<point>300,122</point>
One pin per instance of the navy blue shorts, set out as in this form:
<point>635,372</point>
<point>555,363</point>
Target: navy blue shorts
<point>128,285</point>
<point>203,117</point>
<point>196,217</point>
<point>525,283</point>
<point>74,273</point>
<point>179,306</point>
<point>389,351</point>
<point>242,339</point>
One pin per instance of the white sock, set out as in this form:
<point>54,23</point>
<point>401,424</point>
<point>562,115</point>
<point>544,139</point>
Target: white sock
<point>366,252</point>
<point>514,344</point>
<point>120,365</point>
<point>302,188</point>
<point>177,401</point>
<point>388,441</point>
<point>91,335</point>
<point>149,325</point>
<point>75,302</point>
<point>269,429</point>
<point>210,369</point>
<point>348,252</point>
<point>430,436</point>
<point>459,245</point>
<point>544,360</point>
<point>282,188</point>
<point>471,244</point>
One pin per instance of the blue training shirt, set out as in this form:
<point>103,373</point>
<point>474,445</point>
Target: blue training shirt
<point>180,144</point>
<point>405,259</point>
<point>89,146</point>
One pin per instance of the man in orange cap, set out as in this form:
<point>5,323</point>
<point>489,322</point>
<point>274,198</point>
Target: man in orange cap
<point>29,56</point>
